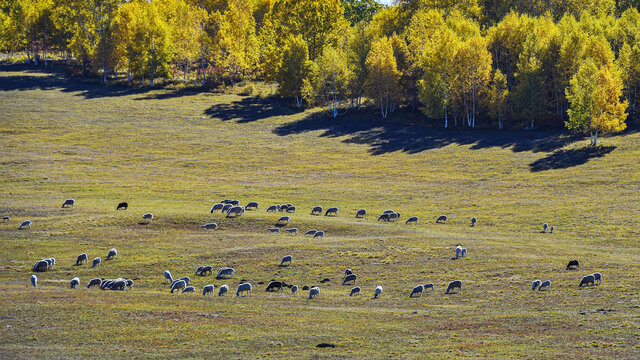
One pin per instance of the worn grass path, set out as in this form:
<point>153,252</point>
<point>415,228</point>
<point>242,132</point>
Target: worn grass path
<point>176,153</point>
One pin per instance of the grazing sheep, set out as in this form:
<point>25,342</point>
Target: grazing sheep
<point>546,285</point>
<point>252,205</point>
<point>292,231</point>
<point>203,270</point>
<point>597,278</point>
<point>274,230</point>
<point>178,284</point>
<point>226,208</point>
<point>463,252</point>
<point>361,213</point>
<point>273,208</point>
<point>413,219</point>
<point>428,286</point>
<point>551,229</point>
<point>216,207</point>
<point>283,207</point>
<point>186,279</point>
<point>34,280</point>
<point>25,223</point>
<point>97,261</point>
<point>122,206</point>
<point>225,273</point>
<point>394,216</point>
<point>377,292</point>
<point>442,219</point>
<point>283,220</point>
<point>224,289</point>
<point>226,201</point>
<point>351,278</point>
<point>274,286</point>
<point>243,288</point>
<point>129,283</point>
<point>383,217</point>
<point>348,271</point>
<point>458,251</point>
<point>573,264</point>
<point>208,289</point>
<point>235,211</point>
<point>147,217</point>
<point>417,291</point>
<point>40,266</point>
<point>105,284</point>
<point>589,279</point>
<point>82,259</point>
<point>118,284</point>
<point>209,226</point>
<point>112,253</point>
<point>189,289</point>
<point>294,289</point>
<point>286,260</point>
<point>305,287</point>
<point>473,221</point>
<point>318,234</point>
<point>333,211</point>
<point>314,292</point>
<point>317,210</point>
<point>388,211</point>
<point>68,202</point>
<point>50,263</point>
<point>167,276</point>
<point>93,282</point>
<point>291,209</point>
<point>535,284</point>
<point>5,219</point>
<point>456,284</point>
<point>355,291</point>
<point>545,226</point>
<point>75,282</point>
<point>235,202</point>
<point>311,232</point>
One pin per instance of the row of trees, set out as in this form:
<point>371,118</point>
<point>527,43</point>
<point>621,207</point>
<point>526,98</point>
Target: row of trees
<point>468,63</point>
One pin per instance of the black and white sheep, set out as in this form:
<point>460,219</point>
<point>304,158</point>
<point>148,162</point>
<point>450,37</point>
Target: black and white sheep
<point>208,289</point>
<point>291,209</point>
<point>314,292</point>
<point>273,208</point>
<point>351,278</point>
<point>189,289</point>
<point>96,262</point>
<point>223,290</point>
<point>413,219</point>
<point>311,232</point>
<point>355,291</point>
<point>292,231</point>
<point>177,285</point>
<point>473,221</point>
<point>545,227</point>
<point>417,291</point>
<point>294,289</point>
<point>225,273</point>
<point>94,282</point>
<point>209,226</point>
<point>216,207</point>
<point>318,234</point>
<point>5,218</point>
<point>82,259</point>
<point>25,223</point>
<point>283,220</point>
<point>112,253</point>
<point>235,211</point>
<point>167,276</point>
<point>545,285</point>
<point>75,282</point>
<point>34,280</point>
<point>148,217</point>
<point>535,284</point>
<point>456,284</point>
<point>377,292</point>
<point>597,278</point>
<point>286,261</point>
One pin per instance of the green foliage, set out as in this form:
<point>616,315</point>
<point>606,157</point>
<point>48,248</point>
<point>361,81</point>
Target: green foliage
<point>357,11</point>
<point>294,68</point>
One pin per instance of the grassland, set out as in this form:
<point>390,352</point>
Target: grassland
<point>175,153</point>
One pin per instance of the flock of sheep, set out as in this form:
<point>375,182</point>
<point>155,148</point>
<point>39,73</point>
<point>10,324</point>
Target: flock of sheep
<point>233,209</point>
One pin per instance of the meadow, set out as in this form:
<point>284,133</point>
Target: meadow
<point>175,153</point>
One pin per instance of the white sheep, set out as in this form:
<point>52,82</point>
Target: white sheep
<point>112,253</point>
<point>355,291</point>
<point>458,251</point>
<point>224,289</point>
<point>148,217</point>
<point>428,286</point>
<point>283,220</point>
<point>546,285</point>
<point>311,232</point>
<point>208,289</point>
<point>597,277</point>
<point>377,292</point>
<point>292,231</point>
<point>68,202</point>
<point>25,223</point>
<point>178,284</point>
<point>82,259</point>
<point>167,276</point>
<point>75,282</point>
<point>188,289</point>
<point>273,208</point>
<point>314,292</point>
<point>5,218</point>
<point>252,205</point>
<point>209,226</point>
<point>535,284</point>
<point>216,207</point>
<point>243,288</point>
<point>225,273</point>
<point>274,230</point>
<point>34,280</point>
<point>97,261</point>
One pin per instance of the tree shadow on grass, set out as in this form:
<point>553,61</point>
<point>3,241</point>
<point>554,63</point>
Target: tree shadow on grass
<point>249,109</point>
<point>563,159</point>
<point>388,137</point>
